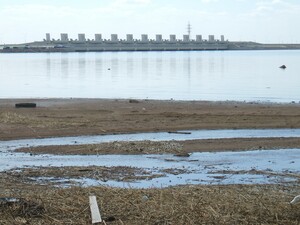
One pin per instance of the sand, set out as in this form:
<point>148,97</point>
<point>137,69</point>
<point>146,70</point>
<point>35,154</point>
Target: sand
<point>72,117</point>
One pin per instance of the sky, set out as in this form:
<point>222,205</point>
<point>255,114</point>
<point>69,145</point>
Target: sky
<point>264,21</point>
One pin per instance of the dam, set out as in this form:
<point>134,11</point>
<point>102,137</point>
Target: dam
<point>144,43</point>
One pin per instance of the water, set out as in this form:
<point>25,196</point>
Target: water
<point>200,168</point>
<point>156,136</point>
<point>216,75</point>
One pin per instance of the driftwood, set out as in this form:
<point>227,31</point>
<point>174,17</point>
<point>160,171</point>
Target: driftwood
<point>179,132</point>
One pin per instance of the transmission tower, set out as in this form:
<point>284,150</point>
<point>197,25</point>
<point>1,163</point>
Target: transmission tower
<point>189,29</point>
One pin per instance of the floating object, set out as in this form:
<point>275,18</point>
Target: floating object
<point>25,105</point>
<point>295,200</point>
<point>283,67</point>
<point>96,217</point>
<point>179,132</point>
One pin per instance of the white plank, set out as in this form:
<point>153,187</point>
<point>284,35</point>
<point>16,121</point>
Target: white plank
<point>96,217</point>
<point>295,200</point>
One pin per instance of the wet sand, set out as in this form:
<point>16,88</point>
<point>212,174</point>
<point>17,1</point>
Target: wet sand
<point>181,148</point>
<point>72,117</point>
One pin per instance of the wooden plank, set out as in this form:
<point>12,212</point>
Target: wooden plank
<point>295,200</point>
<point>96,217</point>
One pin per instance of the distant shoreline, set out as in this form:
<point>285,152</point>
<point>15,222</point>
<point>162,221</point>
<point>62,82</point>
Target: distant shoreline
<point>121,46</point>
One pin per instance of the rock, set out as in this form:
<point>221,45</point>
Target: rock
<point>133,101</point>
<point>283,67</point>
<point>182,155</point>
<point>109,219</point>
<point>145,198</point>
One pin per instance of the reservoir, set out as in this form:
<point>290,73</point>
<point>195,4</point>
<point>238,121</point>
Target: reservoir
<point>188,75</point>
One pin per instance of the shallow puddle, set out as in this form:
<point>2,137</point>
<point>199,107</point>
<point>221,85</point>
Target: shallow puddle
<point>246,167</point>
<point>253,167</point>
<point>156,136</point>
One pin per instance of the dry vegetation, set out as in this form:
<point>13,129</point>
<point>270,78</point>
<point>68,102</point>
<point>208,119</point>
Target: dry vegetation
<point>236,204</point>
<point>167,147</point>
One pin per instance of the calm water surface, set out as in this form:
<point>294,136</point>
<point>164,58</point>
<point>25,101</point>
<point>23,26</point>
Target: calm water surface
<point>217,75</point>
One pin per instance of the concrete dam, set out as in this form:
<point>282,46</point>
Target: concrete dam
<point>98,44</point>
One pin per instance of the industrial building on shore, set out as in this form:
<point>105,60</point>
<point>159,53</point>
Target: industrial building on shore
<point>64,38</point>
<point>144,43</point>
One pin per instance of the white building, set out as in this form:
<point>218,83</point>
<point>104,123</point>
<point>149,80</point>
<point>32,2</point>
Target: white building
<point>48,38</point>
<point>64,37</point>
<point>129,37</point>
<point>222,38</point>
<point>81,37</point>
<point>173,38</point>
<point>158,38</point>
<point>186,38</point>
<point>211,38</point>
<point>114,37</point>
<point>198,38</point>
<point>145,38</point>
<point>98,37</point>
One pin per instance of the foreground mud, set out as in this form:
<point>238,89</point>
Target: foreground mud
<point>73,117</point>
<point>44,203</point>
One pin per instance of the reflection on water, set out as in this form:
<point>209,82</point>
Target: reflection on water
<point>64,66</point>
<point>228,75</point>
<point>81,66</point>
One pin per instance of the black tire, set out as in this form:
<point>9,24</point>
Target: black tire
<point>25,105</point>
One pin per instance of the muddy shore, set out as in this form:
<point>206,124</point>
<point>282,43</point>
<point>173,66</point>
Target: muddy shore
<point>44,203</point>
<point>73,117</point>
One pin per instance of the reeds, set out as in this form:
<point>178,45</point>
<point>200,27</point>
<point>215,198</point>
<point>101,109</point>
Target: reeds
<point>234,204</point>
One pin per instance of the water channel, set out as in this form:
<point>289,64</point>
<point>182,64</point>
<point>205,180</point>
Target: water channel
<point>246,167</point>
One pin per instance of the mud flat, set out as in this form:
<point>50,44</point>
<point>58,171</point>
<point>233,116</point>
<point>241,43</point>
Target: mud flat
<point>75,117</point>
<point>38,200</point>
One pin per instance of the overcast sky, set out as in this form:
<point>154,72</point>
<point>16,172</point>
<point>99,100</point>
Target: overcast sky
<point>266,21</point>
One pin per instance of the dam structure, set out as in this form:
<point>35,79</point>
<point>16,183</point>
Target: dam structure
<point>144,43</point>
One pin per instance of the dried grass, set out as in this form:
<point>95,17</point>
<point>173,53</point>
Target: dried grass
<point>236,204</point>
<point>12,118</point>
<point>32,120</point>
